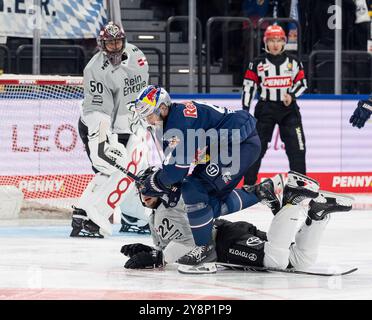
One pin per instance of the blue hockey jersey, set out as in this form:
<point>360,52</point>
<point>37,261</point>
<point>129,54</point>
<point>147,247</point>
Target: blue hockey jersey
<point>192,127</point>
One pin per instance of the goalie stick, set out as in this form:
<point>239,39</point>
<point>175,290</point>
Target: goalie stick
<point>103,128</point>
<point>209,268</point>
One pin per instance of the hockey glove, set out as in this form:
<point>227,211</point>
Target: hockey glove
<point>152,187</point>
<point>145,260</point>
<point>116,151</point>
<point>130,250</point>
<point>172,197</point>
<point>361,113</point>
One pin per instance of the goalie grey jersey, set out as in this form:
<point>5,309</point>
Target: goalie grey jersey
<point>109,89</point>
<point>169,226</point>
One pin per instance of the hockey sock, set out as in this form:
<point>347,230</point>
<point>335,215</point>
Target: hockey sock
<point>201,223</point>
<point>238,200</point>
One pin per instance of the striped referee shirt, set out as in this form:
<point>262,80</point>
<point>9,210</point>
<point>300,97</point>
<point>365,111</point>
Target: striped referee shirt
<point>273,76</point>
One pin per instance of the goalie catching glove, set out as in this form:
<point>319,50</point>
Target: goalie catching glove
<point>146,260</point>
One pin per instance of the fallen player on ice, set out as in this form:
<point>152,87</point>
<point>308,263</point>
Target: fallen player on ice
<point>285,245</point>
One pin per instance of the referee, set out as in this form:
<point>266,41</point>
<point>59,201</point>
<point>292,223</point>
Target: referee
<point>279,79</point>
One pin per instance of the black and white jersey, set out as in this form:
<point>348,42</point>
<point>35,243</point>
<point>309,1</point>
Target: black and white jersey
<point>273,76</point>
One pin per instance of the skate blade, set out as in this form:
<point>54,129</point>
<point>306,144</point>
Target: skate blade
<point>344,202</point>
<point>204,268</point>
<point>340,196</point>
<point>308,183</point>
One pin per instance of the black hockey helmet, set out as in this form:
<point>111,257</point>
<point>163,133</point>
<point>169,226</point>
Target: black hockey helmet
<point>112,33</point>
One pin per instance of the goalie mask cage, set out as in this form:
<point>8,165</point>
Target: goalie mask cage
<point>41,152</point>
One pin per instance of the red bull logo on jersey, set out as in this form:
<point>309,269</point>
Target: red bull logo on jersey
<point>278,82</point>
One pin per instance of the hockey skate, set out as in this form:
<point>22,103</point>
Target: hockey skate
<point>326,203</point>
<point>82,226</point>
<point>269,192</point>
<point>131,224</point>
<point>299,188</point>
<point>200,254</point>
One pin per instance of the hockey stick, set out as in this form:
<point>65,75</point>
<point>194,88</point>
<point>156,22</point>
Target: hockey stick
<point>103,128</point>
<point>268,269</point>
<point>210,268</point>
<point>149,129</point>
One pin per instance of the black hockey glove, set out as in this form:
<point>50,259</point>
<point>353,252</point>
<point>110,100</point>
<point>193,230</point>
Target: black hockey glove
<point>145,260</point>
<point>171,199</point>
<point>152,187</point>
<point>130,250</point>
<point>361,113</point>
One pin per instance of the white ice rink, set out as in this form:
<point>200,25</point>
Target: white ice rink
<point>39,261</point>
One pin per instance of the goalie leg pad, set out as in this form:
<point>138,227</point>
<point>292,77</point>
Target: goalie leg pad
<point>104,193</point>
<point>101,196</point>
<point>131,204</point>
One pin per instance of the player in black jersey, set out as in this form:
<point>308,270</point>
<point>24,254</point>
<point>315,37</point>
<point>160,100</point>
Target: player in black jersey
<point>279,80</point>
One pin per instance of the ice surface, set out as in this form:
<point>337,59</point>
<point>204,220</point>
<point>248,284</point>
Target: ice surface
<point>39,261</point>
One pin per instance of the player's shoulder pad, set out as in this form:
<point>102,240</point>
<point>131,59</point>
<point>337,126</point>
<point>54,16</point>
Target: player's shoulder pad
<point>132,50</point>
<point>96,65</point>
<point>254,63</point>
<point>184,112</point>
<point>292,56</point>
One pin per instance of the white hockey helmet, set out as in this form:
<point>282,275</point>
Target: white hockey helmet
<point>150,99</point>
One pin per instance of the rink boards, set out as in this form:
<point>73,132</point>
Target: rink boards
<point>41,152</point>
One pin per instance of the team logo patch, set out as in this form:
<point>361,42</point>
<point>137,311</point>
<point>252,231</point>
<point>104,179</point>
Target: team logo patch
<point>253,241</point>
<point>190,110</point>
<point>212,170</point>
<point>252,257</point>
<point>277,82</point>
<point>142,61</point>
<point>201,157</point>
<point>226,177</point>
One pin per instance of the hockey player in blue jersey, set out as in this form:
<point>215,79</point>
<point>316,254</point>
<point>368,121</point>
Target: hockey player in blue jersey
<point>230,144</point>
<point>362,113</point>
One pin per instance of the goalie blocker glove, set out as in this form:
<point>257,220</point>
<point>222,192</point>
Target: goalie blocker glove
<point>130,250</point>
<point>146,260</point>
<point>361,113</point>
